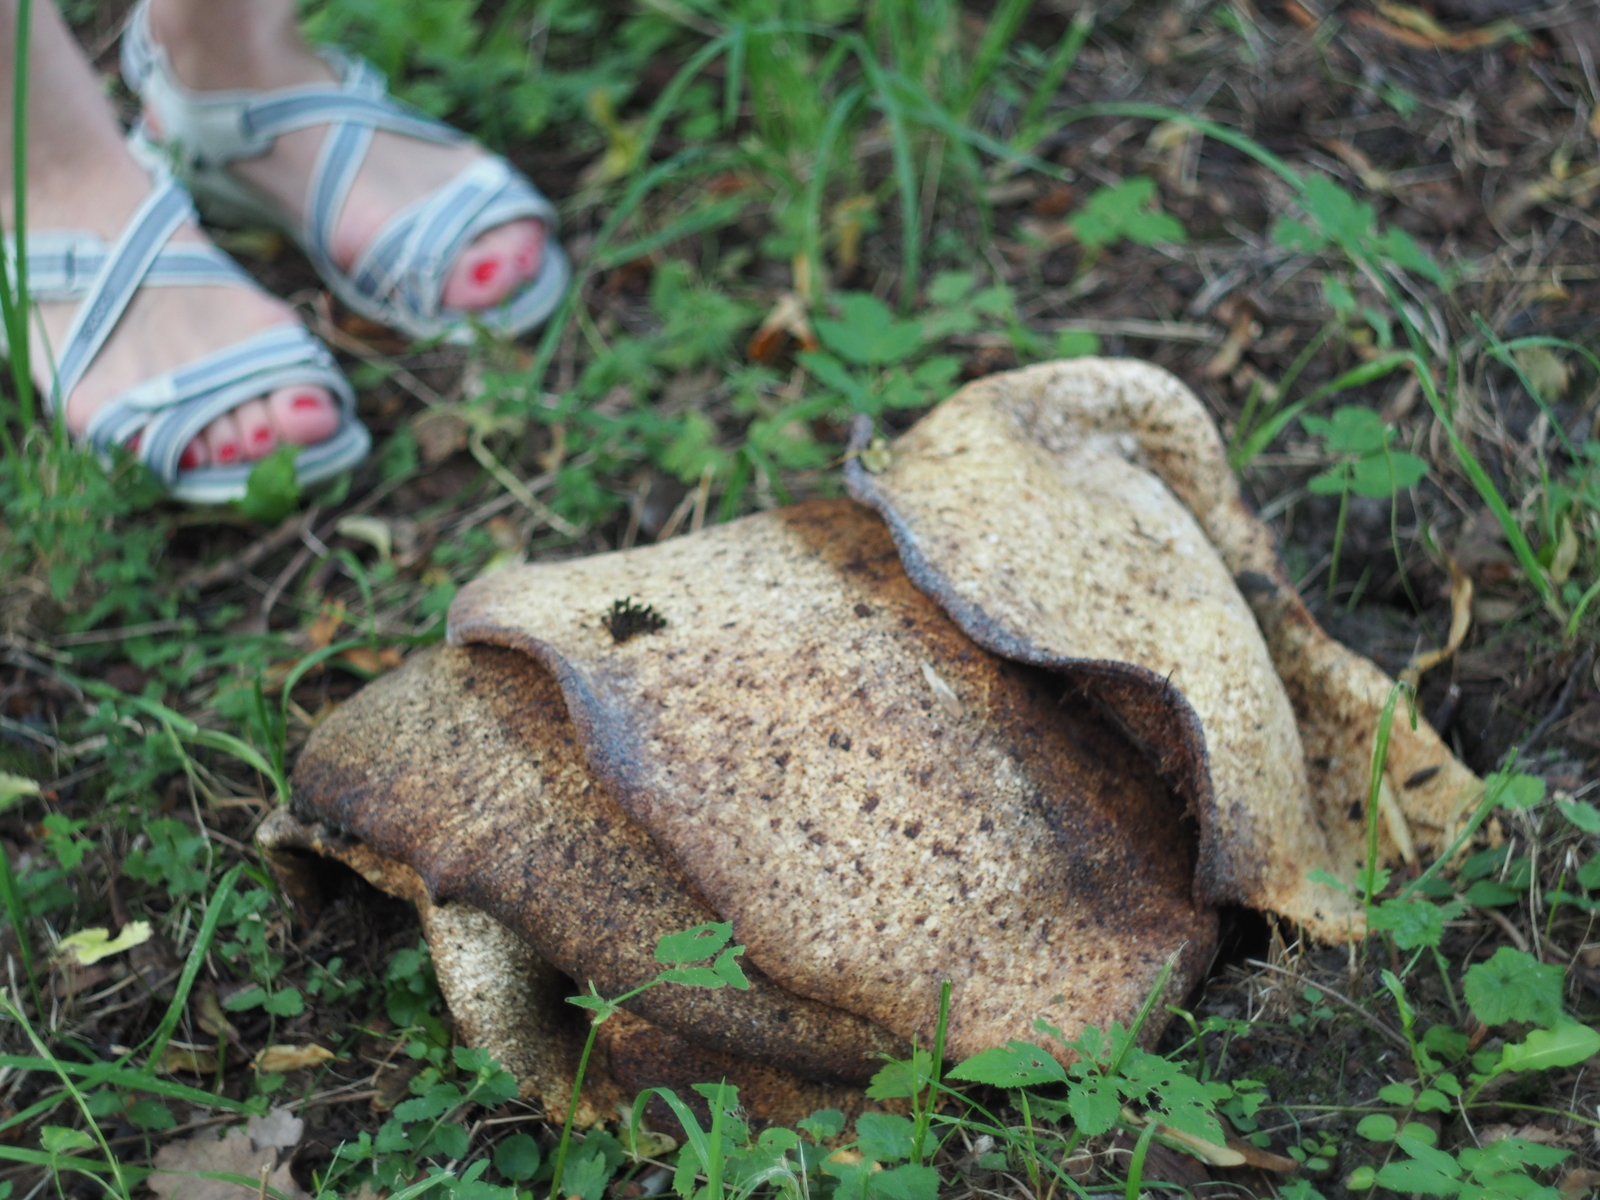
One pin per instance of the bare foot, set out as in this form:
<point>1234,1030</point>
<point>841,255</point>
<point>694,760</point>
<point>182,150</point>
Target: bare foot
<point>164,328</point>
<point>396,172</point>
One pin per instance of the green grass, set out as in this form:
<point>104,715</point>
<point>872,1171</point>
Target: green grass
<point>844,159</point>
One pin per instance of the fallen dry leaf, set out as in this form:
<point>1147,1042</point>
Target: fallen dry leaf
<point>1460,622</point>
<point>1266,1160</point>
<point>788,319</point>
<point>1578,1183</point>
<point>179,1167</point>
<point>439,434</point>
<point>372,662</point>
<point>209,1016</point>
<point>279,1128</point>
<point>1206,1152</point>
<point>190,1060</point>
<point>320,633</point>
<point>280,1059</point>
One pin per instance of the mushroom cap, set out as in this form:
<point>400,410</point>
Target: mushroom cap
<point>1019,718</point>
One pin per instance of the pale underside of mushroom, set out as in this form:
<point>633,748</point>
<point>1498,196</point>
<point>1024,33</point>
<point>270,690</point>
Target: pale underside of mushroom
<point>1019,717</point>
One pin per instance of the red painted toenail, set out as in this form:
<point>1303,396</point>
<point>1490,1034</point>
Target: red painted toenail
<point>486,270</point>
<point>133,442</point>
<point>261,436</point>
<point>228,452</point>
<point>191,457</point>
<point>304,403</point>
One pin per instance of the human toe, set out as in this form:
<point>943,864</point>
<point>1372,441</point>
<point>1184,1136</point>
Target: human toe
<point>257,437</point>
<point>303,415</point>
<point>496,265</point>
<point>224,443</point>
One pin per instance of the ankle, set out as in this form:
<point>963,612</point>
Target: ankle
<point>226,44</point>
<point>95,192</point>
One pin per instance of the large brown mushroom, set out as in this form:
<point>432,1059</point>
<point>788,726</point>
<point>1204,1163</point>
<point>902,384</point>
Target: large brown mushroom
<point>1019,716</point>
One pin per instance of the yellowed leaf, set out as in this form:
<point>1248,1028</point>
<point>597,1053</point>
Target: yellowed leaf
<point>14,787</point>
<point>1460,622</point>
<point>91,945</point>
<point>1566,555</point>
<point>190,1060</point>
<point>1206,1152</point>
<point>278,1060</point>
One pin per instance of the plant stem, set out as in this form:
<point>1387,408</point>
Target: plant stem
<point>925,1114</point>
<point>572,1108</point>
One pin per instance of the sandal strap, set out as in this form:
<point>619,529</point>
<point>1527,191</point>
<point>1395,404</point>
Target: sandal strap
<point>400,277</point>
<point>168,411</point>
<point>62,266</point>
<point>214,128</point>
<point>163,211</point>
<point>408,260</point>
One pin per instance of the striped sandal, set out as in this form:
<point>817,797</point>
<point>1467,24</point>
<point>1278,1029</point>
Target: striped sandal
<point>160,416</point>
<point>399,279</point>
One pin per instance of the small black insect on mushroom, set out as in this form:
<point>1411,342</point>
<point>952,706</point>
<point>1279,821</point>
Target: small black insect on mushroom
<point>627,619</point>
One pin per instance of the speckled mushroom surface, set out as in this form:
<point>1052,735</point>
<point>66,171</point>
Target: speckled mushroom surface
<point>1079,514</point>
<point>1018,716</point>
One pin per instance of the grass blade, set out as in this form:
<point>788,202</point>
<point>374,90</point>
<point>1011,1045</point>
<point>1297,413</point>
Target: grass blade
<point>905,173</point>
<point>191,967</point>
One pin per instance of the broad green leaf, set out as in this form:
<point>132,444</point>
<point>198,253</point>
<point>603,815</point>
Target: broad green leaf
<point>907,1182</point>
<point>1330,482</point>
<point>1491,893</point>
<point>1379,476</point>
<point>1017,1064</point>
<point>1414,923</point>
<point>1515,789</point>
<point>949,286</point>
<point>867,332</point>
<point>1378,1127</point>
<point>822,1124</point>
<point>1298,236</point>
<point>1076,343</point>
<point>700,977</point>
<point>1429,1171</point>
<point>1433,1100</point>
<point>1351,430</point>
<point>272,491</point>
<point>1397,1093</point>
<point>884,1137</point>
<point>902,1080</point>
<point>1093,1103</point>
<point>285,1003</point>
<point>728,969</point>
<point>1412,1177</point>
<point>1564,1046</point>
<point>91,945</point>
<point>1415,1131</point>
<point>58,1139</point>
<point>1589,874</point>
<point>1580,812</point>
<point>151,1114</point>
<point>1121,211</point>
<point>1336,212</point>
<point>1400,249</point>
<point>517,1157</point>
<point>693,945</point>
<point>451,1140</point>
<point>585,1178</point>
<point>1514,986</point>
<point>1510,1154</point>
